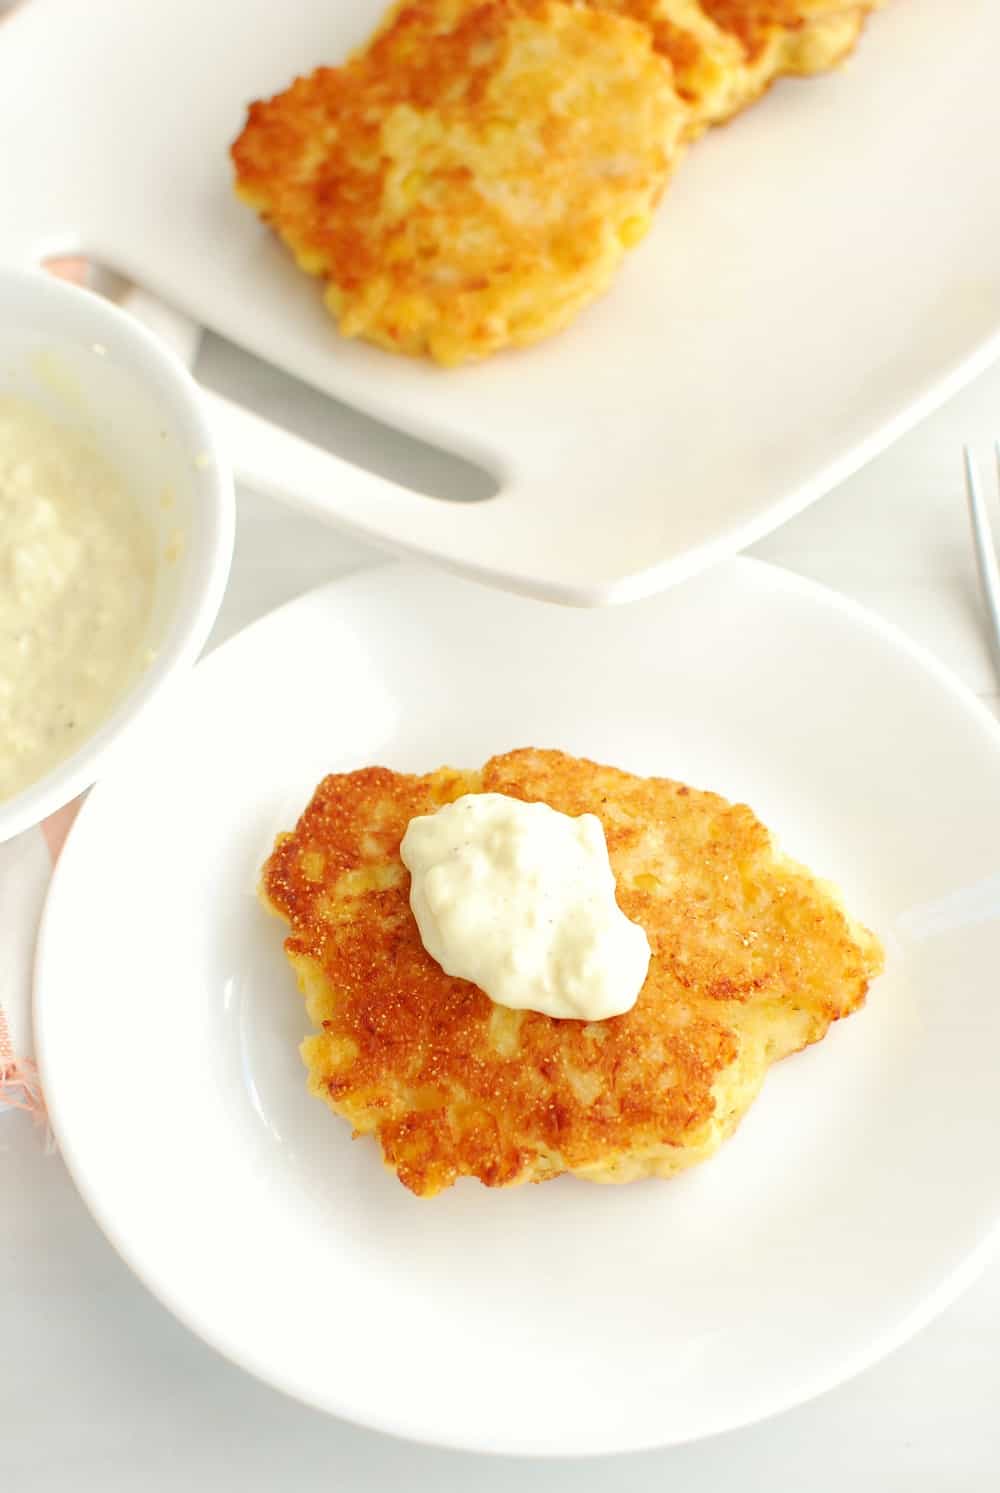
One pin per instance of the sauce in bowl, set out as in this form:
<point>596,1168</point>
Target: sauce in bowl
<point>77,573</point>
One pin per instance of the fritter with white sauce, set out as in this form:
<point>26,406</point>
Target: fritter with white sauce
<point>753,957</point>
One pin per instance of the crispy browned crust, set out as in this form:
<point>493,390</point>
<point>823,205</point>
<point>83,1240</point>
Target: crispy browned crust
<point>471,178</point>
<point>755,23</point>
<point>752,958</point>
<point>726,53</point>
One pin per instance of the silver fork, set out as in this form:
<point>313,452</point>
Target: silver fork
<point>986,555</point>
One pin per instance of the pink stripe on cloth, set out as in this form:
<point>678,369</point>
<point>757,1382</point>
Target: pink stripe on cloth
<point>58,825</point>
<point>6,1046</point>
<point>68,269</point>
<point>19,1083</point>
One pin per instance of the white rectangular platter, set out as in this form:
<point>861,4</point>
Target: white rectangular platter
<point>823,272</point>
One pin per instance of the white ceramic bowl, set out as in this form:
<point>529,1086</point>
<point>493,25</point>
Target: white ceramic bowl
<point>92,367</point>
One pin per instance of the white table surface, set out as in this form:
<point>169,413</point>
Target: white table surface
<point>101,1389</point>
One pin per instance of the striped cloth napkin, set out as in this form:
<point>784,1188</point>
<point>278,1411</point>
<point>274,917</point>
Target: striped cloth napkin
<point>26,864</point>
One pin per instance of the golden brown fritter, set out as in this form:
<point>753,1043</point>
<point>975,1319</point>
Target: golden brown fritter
<point>725,53</point>
<point>752,958</point>
<point>472,178</point>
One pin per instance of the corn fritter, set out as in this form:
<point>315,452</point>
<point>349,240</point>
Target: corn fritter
<point>752,958</point>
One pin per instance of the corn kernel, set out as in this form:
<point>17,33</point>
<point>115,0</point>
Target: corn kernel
<point>633,229</point>
<point>413,184</point>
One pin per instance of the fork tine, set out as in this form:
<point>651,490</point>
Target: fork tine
<point>986,555</point>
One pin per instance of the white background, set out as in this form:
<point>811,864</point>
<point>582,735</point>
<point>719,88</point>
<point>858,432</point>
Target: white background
<point>101,1389</point>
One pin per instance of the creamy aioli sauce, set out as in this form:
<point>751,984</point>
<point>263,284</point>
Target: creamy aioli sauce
<point>520,899</point>
<point>76,585</point>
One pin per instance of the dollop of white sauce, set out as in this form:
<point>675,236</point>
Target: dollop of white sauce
<point>520,899</point>
<point>77,573</point>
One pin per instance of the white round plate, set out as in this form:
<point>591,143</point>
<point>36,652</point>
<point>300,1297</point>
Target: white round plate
<point>856,1198</point>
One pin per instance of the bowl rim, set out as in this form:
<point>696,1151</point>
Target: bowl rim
<point>168,382</point>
